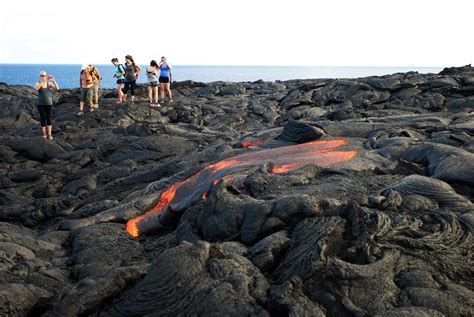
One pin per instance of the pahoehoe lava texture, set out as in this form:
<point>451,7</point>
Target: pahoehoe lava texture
<point>241,222</point>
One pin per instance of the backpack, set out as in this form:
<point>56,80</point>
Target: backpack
<point>121,68</point>
<point>95,73</point>
<point>135,68</point>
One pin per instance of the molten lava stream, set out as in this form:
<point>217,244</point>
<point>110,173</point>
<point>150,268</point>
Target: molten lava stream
<point>165,199</point>
<point>248,143</point>
<point>182,194</point>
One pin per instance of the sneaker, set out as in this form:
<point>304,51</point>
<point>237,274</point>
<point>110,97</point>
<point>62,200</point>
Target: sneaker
<point>171,100</point>
<point>80,113</point>
<point>43,136</point>
<point>96,106</point>
<point>158,105</point>
<point>92,109</point>
<point>50,137</point>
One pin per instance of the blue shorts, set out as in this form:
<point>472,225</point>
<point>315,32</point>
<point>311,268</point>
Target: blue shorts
<point>121,81</point>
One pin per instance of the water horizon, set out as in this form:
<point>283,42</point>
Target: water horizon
<point>67,75</point>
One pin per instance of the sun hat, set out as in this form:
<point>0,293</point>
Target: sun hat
<point>84,66</point>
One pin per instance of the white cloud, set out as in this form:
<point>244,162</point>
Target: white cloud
<point>245,32</point>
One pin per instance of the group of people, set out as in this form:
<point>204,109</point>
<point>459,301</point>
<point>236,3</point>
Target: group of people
<point>158,76</point>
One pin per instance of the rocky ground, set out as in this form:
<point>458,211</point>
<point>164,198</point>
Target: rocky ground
<point>387,232</point>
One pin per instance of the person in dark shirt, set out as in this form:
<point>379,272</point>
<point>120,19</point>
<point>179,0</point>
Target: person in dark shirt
<point>45,102</point>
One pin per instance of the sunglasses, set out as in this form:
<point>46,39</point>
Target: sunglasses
<point>43,75</point>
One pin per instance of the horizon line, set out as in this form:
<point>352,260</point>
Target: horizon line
<point>249,65</point>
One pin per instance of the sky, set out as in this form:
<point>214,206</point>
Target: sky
<point>420,33</point>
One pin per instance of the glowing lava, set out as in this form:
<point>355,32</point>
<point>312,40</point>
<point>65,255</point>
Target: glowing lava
<point>284,159</point>
<point>248,143</point>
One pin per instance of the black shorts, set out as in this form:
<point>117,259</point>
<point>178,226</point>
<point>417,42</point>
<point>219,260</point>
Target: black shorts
<point>164,80</point>
<point>120,81</point>
<point>129,85</point>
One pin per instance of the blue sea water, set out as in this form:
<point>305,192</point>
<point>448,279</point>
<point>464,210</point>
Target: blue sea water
<point>67,75</point>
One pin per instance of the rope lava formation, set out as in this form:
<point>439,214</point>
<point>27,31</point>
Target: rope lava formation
<point>181,195</point>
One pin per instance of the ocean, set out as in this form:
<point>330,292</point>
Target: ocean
<point>67,75</point>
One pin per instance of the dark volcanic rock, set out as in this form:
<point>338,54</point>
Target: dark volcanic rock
<point>381,226</point>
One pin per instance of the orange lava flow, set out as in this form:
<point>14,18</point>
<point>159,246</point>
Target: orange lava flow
<point>248,143</point>
<point>284,159</point>
<point>283,168</point>
<point>165,199</point>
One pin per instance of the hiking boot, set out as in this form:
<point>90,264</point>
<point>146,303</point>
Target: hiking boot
<point>80,113</point>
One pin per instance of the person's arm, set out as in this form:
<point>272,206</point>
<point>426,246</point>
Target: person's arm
<point>37,86</point>
<point>169,66</point>
<point>53,84</point>
<point>99,76</point>
<point>137,69</point>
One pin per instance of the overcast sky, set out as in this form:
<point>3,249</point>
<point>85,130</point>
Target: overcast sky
<point>244,32</point>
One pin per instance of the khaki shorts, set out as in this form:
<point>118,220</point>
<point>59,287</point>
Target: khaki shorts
<point>95,89</point>
<point>86,94</point>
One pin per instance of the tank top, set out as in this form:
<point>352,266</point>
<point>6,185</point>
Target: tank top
<point>45,97</point>
<point>118,71</point>
<point>165,71</point>
<point>151,76</point>
<point>130,73</point>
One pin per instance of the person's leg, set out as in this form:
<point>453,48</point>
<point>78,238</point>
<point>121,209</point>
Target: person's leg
<point>155,90</point>
<point>168,90</point>
<point>150,94</point>
<point>96,94</point>
<point>162,91</point>
<point>125,92</point>
<point>81,102</point>
<point>120,93</point>
<point>49,124</point>
<point>132,90</point>
<point>89,98</point>
<point>42,112</point>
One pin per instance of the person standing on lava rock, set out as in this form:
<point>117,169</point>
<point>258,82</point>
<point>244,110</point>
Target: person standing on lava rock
<point>86,89</point>
<point>45,102</point>
<point>165,79</point>
<point>120,76</point>
<point>96,79</point>
<point>131,75</point>
<point>151,73</point>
